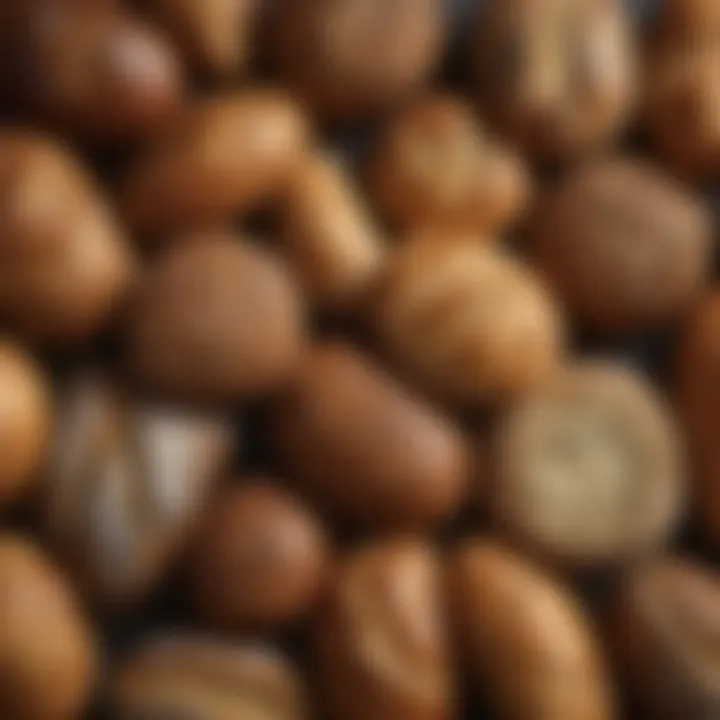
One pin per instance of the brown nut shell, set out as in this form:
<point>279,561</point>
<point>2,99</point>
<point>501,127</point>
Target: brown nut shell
<point>352,58</point>
<point>216,36</point>
<point>217,320</point>
<point>194,677</point>
<point>25,422</point>
<point>364,447</point>
<point>681,101</point>
<point>557,77</point>
<point>65,268</point>
<point>435,166</point>
<point>467,323</point>
<point>667,631</point>
<point>625,246</point>
<point>589,468</point>
<point>47,651</point>
<point>329,236</point>
<point>698,397</point>
<point>93,71</point>
<point>380,643</point>
<point>260,559</point>
<point>527,641</point>
<point>225,155</point>
<point>125,486</point>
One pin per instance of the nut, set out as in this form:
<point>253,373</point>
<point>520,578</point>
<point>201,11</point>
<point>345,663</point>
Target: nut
<point>526,639</point>
<point>184,677</point>
<point>436,167</point>
<point>556,77</point>
<point>589,468</point>
<point>351,58</point>
<point>366,449</point>
<point>47,651</point>
<point>380,643</point>
<point>217,320</point>
<point>227,154</point>
<point>625,246</point>
<point>260,559</point>
<point>329,236</point>
<point>64,266</point>
<point>467,323</point>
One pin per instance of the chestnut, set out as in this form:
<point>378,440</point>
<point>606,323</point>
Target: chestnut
<point>527,641</point>
<point>225,154</point>
<point>469,324</point>
<point>626,247</point>
<point>65,266</point>
<point>47,649</point>
<point>350,59</point>
<point>380,642</point>
<point>176,676</point>
<point>590,467</point>
<point>329,237</point>
<point>364,447</point>
<point>260,559</point>
<point>436,166</point>
<point>218,319</point>
<point>557,78</point>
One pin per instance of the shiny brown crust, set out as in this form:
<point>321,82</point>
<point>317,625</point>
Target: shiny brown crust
<point>681,105</point>
<point>215,36</point>
<point>90,70</point>
<point>625,246</point>
<point>351,58</point>
<point>125,486</point>
<point>194,677</point>
<point>468,323</point>
<point>364,447</point>
<point>558,77</point>
<point>225,155</point>
<point>65,267</point>
<point>667,632</point>
<point>526,639</point>
<point>436,166</point>
<point>380,643</point>
<point>605,487</point>
<point>47,651</point>
<point>217,320</point>
<point>260,559</point>
<point>329,236</point>
<point>698,397</point>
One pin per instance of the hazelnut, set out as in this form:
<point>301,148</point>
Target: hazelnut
<point>184,677</point>
<point>526,639</point>
<point>436,166</point>
<point>217,320</point>
<point>64,265</point>
<point>93,71</point>
<point>556,77</point>
<point>467,323</point>
<point>329,237</point>
<point>682,90</point>
<point>47,652</point>
<point>625,246</point>
<point>225,155</point>
<point>380,644</point>
<point>352,58</point>
<point>698,399</point>
<point>589,467</point>
<point>260,559</point>
<point>216,36</point>
<point>125,484</point>
<point>25,422</point>
<point>364,447</point>
<point>665,627</point>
